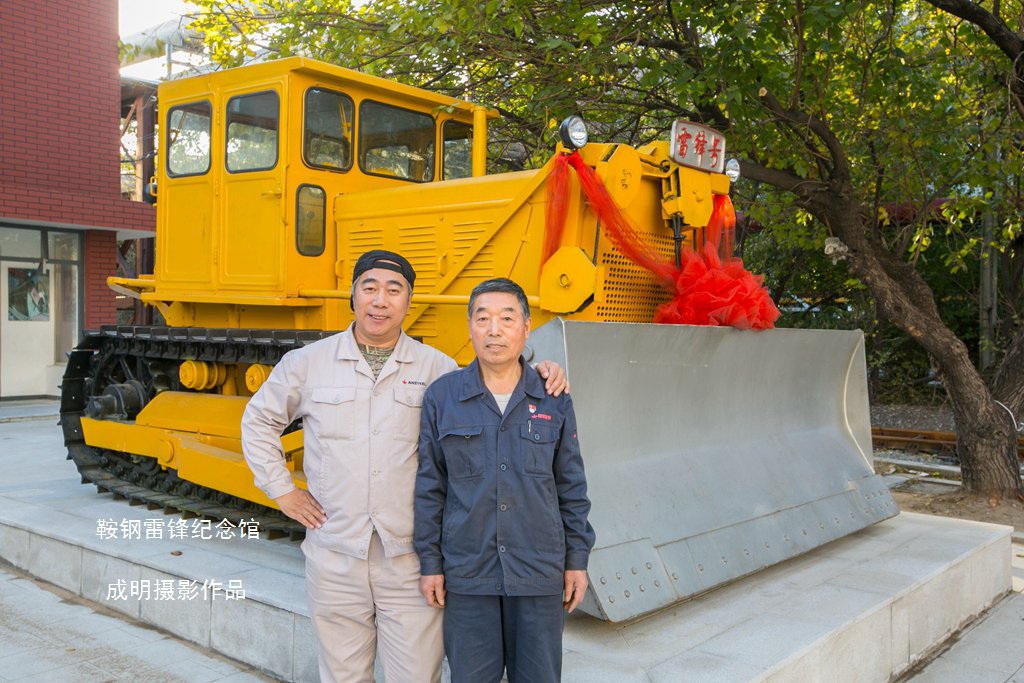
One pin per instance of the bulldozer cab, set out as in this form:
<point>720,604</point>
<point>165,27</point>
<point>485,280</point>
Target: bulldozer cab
<point>253,158</point>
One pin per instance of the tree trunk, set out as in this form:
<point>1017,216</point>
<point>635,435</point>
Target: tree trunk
<point>1008,386</point>
<point>986,439</point>
<point>986,436</point>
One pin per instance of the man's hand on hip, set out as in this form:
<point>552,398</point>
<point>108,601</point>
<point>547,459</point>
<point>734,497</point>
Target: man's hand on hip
<point>303,508</point>
<point>432,587</point>
<point>575,587</point>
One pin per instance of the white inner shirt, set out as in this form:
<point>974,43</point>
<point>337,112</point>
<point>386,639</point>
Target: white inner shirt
<point>502,401</point>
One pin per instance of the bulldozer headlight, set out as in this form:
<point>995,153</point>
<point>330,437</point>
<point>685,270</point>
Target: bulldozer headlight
<point>732,169</point>
<point>573,132</point>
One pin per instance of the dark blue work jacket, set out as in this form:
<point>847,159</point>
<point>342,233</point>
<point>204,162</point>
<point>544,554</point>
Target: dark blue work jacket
<point>501,500</point>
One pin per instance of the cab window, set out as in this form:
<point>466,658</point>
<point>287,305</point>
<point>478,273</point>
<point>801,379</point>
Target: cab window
<point>327,132</point>
<point>310,211</point>
<point>252,122</point>
<point>188,139</point>
<point>396,142</point>
<point>457,161</point>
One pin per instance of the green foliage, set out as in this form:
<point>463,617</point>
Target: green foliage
<point>903,86</point>
<point>810,290</point>
<point>914,97</point>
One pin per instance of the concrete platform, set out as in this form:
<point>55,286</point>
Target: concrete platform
<point>864,608</point>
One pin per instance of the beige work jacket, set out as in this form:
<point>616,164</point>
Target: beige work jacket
<point>360,436</point>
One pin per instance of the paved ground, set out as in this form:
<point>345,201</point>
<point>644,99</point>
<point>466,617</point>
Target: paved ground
<point>47,634</point>
<point>50,635</point>
<point>989,651</point>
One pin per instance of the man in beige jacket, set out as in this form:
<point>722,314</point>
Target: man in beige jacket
<point>359,395</point>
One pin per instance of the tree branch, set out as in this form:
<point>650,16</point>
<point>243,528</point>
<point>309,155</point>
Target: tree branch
<point>807,191</point>
<point>801,48</point>
<point>798,120</point>
<point>995,28</point>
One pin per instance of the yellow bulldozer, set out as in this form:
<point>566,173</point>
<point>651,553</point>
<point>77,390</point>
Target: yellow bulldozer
<point>711,452</point>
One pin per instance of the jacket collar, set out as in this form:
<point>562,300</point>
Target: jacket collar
<point>530,383</point>
<point>348,348</point>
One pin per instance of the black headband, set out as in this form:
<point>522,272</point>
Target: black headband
<point>388,260</point>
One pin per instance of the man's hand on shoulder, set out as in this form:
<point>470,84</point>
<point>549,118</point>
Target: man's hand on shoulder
<point>575,587</point>
<point>556,381</point>
<point>303,508</point>
<point>432,587</point>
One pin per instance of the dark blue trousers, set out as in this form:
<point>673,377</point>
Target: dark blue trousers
<point>485,635</point>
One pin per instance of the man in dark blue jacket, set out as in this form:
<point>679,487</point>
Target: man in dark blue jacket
<point>501,503</point>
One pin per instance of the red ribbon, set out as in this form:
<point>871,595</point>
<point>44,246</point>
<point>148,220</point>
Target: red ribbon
<point>710,287</point>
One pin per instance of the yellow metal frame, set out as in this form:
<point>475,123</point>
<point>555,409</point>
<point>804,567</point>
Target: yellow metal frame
<point>199,436</point>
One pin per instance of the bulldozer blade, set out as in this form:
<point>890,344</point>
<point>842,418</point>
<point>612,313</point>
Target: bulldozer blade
<point>712,453</point>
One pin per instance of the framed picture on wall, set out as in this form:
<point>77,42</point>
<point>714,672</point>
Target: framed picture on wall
<point>28,294</point>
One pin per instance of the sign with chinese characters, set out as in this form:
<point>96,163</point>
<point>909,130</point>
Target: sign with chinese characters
<point>174,528</point>
<point>697,146</point>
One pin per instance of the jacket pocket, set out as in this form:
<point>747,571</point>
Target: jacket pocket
<point>539,448</point>
<point>333,409</point>
<point>405,416</point>
<point>463,449</point>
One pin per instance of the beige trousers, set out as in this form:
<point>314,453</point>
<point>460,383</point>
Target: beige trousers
<point>364,607</point>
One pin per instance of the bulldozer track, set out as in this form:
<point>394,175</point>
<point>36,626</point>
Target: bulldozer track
<point>151,356</point>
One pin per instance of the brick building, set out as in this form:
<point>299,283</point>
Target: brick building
<point>61,209</point>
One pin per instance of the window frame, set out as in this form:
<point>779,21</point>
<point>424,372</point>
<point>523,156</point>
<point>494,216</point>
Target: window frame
<point>361,117</point>
<point>47,259</point>
<point>227,132</point>
<point>169,143</point>
<point>443,155</point>
<point>323,222</point>
<point>351,142</point>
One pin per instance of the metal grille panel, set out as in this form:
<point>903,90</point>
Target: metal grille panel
<point>631,293</point>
